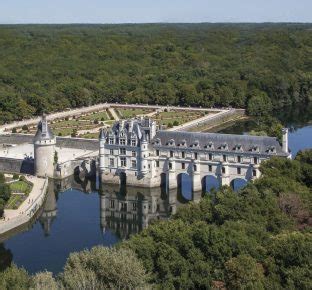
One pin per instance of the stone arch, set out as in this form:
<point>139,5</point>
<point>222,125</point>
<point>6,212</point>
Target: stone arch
<point>184,183</point>
<point>238,183</point>
<point>210,182</point>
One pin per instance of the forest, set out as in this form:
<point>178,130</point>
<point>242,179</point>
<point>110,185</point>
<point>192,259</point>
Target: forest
<point>257,238</point>
<point>46,68</point>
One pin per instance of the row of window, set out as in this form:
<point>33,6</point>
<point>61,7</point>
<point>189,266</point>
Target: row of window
<point>123,162</point>
<point>210,156</point>
<point>122,141</point>
<point>123,151</point>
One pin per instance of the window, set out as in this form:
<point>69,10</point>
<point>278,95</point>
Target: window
<point>195,155</point>
<point>133,164</point>
<point>122,151</point>
<point>111,151</point>
<point>123,162</point>
<point>210,156</point>
<point>223,170</point>
<point>210,168</point>
<point>122,141</point>
<point>133,142</point>
<point>255,160</point>
<point>111,140</point>
<point>134,206</point>
<point>254,173</point>
<point>112,203</point>
<point>195,168</point>
<point>133,154</point>
<point>157,163</point>
<point>157,152</point>
<point>224,157</point>
<point>171,153</point>
<point>183,165</point>
<point>170,165</point>
<point>239,171</point>
<point>111,162</point>
<point>239,159</point>
<point>183,154</point>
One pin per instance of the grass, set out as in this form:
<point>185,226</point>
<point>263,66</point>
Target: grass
<point>15,201</point>
<point>99,116</point>
<point>131,113</point>
<point>21,186</point>
<point>90,136</point>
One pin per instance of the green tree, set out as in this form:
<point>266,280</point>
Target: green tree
<point>103,267</point>
<point>243,272</point>
<point>259,104</point>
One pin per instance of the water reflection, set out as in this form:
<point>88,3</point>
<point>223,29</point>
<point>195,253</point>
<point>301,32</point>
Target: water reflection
<point>79,214</point>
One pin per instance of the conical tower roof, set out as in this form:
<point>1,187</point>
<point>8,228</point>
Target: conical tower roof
<point>44,132</point>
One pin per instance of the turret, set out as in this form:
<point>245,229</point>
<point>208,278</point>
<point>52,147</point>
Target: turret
<point>102,150</point>
<point>285,140</point>
<point>44,149</point>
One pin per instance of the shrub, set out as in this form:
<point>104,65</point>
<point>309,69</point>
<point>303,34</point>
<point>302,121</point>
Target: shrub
<point>14,278</point>
<point>44,281</point>
<point>16,176</point>
<point>14,130</point>
<point>25,128</point>
<point>103,267</point>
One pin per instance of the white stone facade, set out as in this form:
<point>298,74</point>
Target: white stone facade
<point>135,153</point>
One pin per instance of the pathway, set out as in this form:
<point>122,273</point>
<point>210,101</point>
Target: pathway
<point>16,217</point>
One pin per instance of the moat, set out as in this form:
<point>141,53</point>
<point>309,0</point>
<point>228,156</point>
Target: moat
<point>76,216</point>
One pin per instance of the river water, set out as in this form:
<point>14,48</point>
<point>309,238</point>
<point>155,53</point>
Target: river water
<point>75,216</point>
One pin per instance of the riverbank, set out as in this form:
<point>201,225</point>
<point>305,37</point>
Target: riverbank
<point>14,218</point>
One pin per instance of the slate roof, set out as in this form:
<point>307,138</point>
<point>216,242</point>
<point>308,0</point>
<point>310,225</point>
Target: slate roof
<point>222,142</point>
<point>44,132</point>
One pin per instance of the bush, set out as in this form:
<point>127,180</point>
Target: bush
<point>14,278</point>
<point>44,281</point>
<point>103,267</point>
<point>176,123</point>
<point>16,176</point>
<point>14,130</point>
<point>22,178</point>
<point>170,125</point>
<point>25,128</point>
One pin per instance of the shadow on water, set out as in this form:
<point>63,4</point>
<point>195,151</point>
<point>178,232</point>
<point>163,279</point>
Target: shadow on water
<point>80,213</point>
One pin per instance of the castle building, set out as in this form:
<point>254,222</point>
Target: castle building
<point>44,150</point>
<point>135,153</point>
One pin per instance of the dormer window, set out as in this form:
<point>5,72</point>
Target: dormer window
<point>171,142</point>
<point>183,143</point>
<point>238,147</point>
<point>209,146</point>
<point>255,149</point>
<point>224,146</point>
<point>111,140</point>
<point>122,141</point>
<point>271,149</point>
<point>195,144</point>
<point>133,142</point>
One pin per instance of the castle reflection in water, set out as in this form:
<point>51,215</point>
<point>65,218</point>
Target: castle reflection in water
<point>123,210</point>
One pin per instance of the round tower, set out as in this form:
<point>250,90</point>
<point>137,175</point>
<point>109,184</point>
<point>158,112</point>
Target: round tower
<point>44,150</point>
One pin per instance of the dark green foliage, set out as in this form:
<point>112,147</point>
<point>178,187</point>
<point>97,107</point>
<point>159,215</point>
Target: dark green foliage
<point>246,239</point>
<point>48,68</point>
<point>14,278</point>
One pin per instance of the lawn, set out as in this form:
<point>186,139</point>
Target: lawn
<point>21,186</point>
<point>100,116</point>
<point>132,113</point>
<point>15,201</point>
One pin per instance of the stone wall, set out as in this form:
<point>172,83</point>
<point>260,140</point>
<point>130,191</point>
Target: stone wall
<point>76,143</point>
<point>25,166</point>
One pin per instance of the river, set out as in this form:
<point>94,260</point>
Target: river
<point>75,216</point>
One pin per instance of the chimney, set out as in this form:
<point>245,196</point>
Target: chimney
<point>285,140</point>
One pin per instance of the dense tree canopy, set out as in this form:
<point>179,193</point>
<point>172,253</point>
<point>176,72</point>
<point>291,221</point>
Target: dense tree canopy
<point>257,238</point>
<point>48,68</point>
